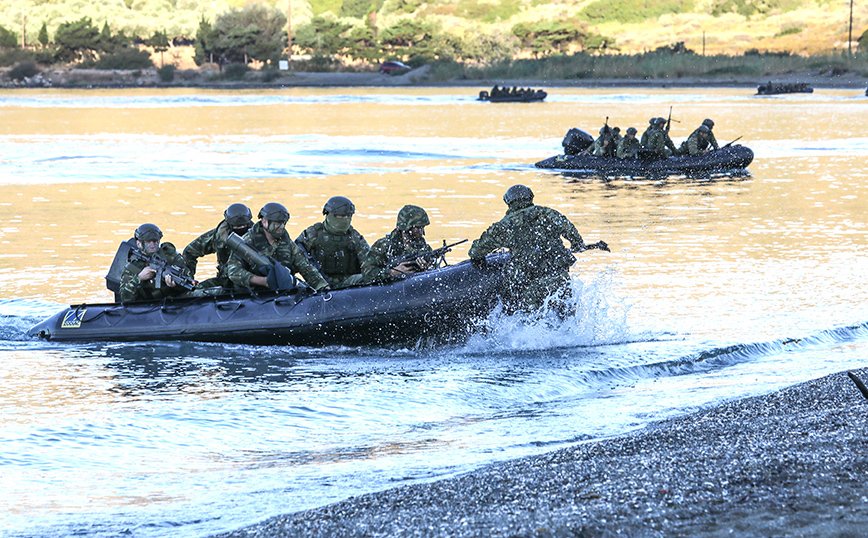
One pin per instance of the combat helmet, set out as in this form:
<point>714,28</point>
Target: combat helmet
<point>517,193</point>
<point>339,206</point>
<point>631,130</point>
<point>412,216</point>
<point>274,212</point>
<point>238,215</point>
<point>703,129</point>
<point>708,123</point>
<point>148,232</point>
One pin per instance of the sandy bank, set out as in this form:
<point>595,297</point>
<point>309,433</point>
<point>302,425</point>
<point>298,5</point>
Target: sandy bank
<point>791,463</point>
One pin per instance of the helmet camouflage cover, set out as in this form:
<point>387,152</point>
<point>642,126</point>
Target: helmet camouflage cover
<point>274,211</point>
<point>411,216</point>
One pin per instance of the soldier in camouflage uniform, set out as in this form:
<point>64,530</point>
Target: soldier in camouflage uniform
<point>652,124</point>
<point>659,141</point>
<point>697,143</point>
<point>238,219</point>
<point>407,237</point>
<point>711,139</point>
<point>628,146</point>
<point>334,245</point>
<point>539,265</point>
<point>137,280</point>
<point>269,237</point>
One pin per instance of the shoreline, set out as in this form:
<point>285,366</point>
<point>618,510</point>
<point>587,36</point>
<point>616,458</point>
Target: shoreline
<point>790,463</point>
<point>421,77</point>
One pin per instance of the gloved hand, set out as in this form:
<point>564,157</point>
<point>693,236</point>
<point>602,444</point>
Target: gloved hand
<point>280,278</point>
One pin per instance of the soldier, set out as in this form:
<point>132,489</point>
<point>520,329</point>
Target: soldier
<point>539,266</point>
<point>652,124</point>
<point>604,145</point>
<point>697,142</point>
<point>629,146</point>
<point>711,140</point>
<point>335,245</point>
<point>238,219</point>
<point>270,238</point>
<point>659,141</point>
<point>407,237</point>
<point>137,281</point>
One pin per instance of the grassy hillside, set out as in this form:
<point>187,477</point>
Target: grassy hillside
<point>710,26</point>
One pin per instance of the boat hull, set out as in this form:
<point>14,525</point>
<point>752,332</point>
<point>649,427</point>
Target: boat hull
<point>443,304</point>
<point>729,158</point>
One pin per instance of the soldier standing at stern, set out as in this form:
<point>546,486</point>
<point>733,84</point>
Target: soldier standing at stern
<point>539,265</point>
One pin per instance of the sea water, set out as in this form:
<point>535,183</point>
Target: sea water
<point>716,288</point>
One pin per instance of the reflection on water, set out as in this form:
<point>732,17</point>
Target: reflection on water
<point>715,288</point>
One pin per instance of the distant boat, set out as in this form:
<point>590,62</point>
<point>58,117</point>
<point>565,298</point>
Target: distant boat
<point>775,88</point>
<point>515,95</point>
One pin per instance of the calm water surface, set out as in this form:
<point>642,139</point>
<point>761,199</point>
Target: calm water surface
<point>715,289</point>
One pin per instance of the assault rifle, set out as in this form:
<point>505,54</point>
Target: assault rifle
<point>162,267</point>
<point>437,256</point>
<point>599,245</point>
<point>731,143</point>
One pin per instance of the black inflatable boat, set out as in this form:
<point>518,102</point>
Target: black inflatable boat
<point>442,305</point>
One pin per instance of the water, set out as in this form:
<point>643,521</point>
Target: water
<point>715,289</point>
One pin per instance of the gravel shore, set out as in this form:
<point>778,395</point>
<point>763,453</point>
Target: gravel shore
<point>791,463</point>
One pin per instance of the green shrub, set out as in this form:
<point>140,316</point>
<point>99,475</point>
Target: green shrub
<point>627,11</point>
<point>125,58</point>
<point>14,56</point>
<point>23,70</point>
<point>269,75</point>
<point>166,73</point>
<point>235,71</point>
<point>788,31</point>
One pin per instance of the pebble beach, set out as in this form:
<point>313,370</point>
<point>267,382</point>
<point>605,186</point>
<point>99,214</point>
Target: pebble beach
<point>787,464</point>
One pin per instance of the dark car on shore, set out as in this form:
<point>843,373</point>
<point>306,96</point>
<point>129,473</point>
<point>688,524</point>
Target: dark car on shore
<point>387,68</point>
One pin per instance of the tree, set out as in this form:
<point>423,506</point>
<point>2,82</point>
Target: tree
<point>356,9</point>
<point>75,40</point>
<point>159,42</point>
<point>253,32</point>
<point>206,42</point>
<point>8,40</point>
<point>43,35</point>
<point>323,36</point>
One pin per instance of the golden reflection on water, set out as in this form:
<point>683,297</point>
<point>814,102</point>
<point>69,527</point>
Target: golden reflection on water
<point>56,241</point>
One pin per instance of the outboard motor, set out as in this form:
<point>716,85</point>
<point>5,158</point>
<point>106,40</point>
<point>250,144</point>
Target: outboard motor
<point>576,141</point>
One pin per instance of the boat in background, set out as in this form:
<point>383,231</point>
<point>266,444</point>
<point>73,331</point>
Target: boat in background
<point>514,95</point>
<point>776,88</point>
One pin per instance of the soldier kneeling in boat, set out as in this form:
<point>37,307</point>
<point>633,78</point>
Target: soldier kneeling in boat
<point>408,237</point>
<point>539,267</point>
<point>155,270</point>
<point>629,145</point>
<point>334,245</point>
<point>269,238</point>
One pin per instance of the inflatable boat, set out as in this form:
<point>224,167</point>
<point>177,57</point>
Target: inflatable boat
<point>440,305</point>
<point>725,159</point>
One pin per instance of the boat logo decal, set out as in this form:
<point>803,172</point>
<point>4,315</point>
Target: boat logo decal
<point>72,318</point>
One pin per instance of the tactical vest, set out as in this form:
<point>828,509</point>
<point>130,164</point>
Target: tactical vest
<point>336,254</point>
<point>538,251</point>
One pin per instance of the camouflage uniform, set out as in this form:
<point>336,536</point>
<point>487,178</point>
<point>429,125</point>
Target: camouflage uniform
<point>695,144</point>
<point>211,242</point>
<point>627,148</point>
<point>540,263</point>
<point>660,143</point>
<point>600,151</point>
<point>284,251</point>
<point>375,267</point>
<point>133,289</point>
<point>339,255</point>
